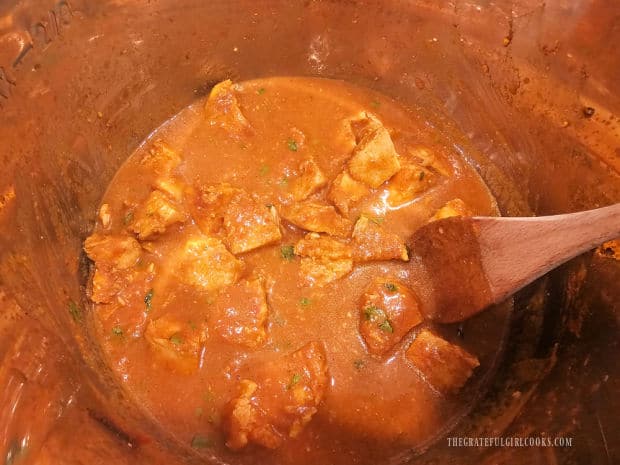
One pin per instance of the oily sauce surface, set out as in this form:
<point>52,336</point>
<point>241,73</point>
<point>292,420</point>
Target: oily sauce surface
<point>372,406</point>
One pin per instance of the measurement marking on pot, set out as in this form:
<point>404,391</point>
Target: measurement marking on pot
<point>17,43</point>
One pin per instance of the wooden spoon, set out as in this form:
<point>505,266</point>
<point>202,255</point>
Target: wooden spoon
<point>474,262</point>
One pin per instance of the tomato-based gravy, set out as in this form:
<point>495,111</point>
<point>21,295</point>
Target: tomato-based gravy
<point>252,283</point>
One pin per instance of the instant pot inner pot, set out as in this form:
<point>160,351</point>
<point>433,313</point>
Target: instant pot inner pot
<point>523,90</point>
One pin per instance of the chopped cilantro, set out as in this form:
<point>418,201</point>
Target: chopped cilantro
<point>359,364</point>
<point>287,252</point>
<point>148,300</point>
<point>201,442</point>
<point>176,339</point>
<point>391,287</point>
<point>263,170</point>
<point>75,312</point>
<point>373,312</point>
<point>117,331</point>
<point>128,218</point>
<point>261,91</point>
<point>386,326</point>
<point>421,175</point>
<point>292,145</point>
<point>295,379</point>
<point>375,104</point>
<point>304,301</point>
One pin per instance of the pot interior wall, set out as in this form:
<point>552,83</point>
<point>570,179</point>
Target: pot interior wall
<point>83,83</point>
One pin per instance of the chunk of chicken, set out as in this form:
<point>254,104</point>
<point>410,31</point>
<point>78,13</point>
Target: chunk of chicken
<point>112,250</point>
<point>223,110</point>
<point>309,180</point>
<point>316,217</point>
<point>205,263</point>
<point>281,399</point>
<point>363,124</point>
<point>240,313</point>
<point>210,204</point>
<point>172,186</point>
<point>409,183</point>
<point>389,309</point>
<point>119,281</point>
<point>155,215</point>
<point>374,159</point>
<point>372,242</point>
<point>120,297</point>
<point>455,207</point>
<point>345,191</point>
<point>114,255</point>
<point>106,284</point>
<point>429,160</point>
<point>323,259</point>
<point>445,366</point>
<point>161,159</point>
<point>243,222</point>
<point>249,224</point>
<point>176,341</point>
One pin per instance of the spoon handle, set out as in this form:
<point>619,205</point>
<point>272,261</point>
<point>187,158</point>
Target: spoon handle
<point>516,251</point>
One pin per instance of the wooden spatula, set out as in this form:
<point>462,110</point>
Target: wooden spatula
<point>475,262</point>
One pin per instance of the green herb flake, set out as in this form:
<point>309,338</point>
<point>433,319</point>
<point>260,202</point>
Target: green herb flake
<point>391,287</point>
<point>117,331</point>
<point>201,442</point>
<point>386,326</point>
<point>198,412</point>
<point>283,182</point>
<point>292,145</point>
<point>148,300</point>
<point>128,218</point>
<point>193,326</point>
<point>377,220</point>
<point>421,175</point>
<point>264,170</point>
<point>176,339</point>
<point>359,364</point>
<point>375,104</point>
<point>304,301</point>
<point>287,252</point>
<point>372,312</point>
<point>295,379</point>
<point>75,312</point>
<point>261,91</point>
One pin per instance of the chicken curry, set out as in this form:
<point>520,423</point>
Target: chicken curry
<point>253,288</point>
